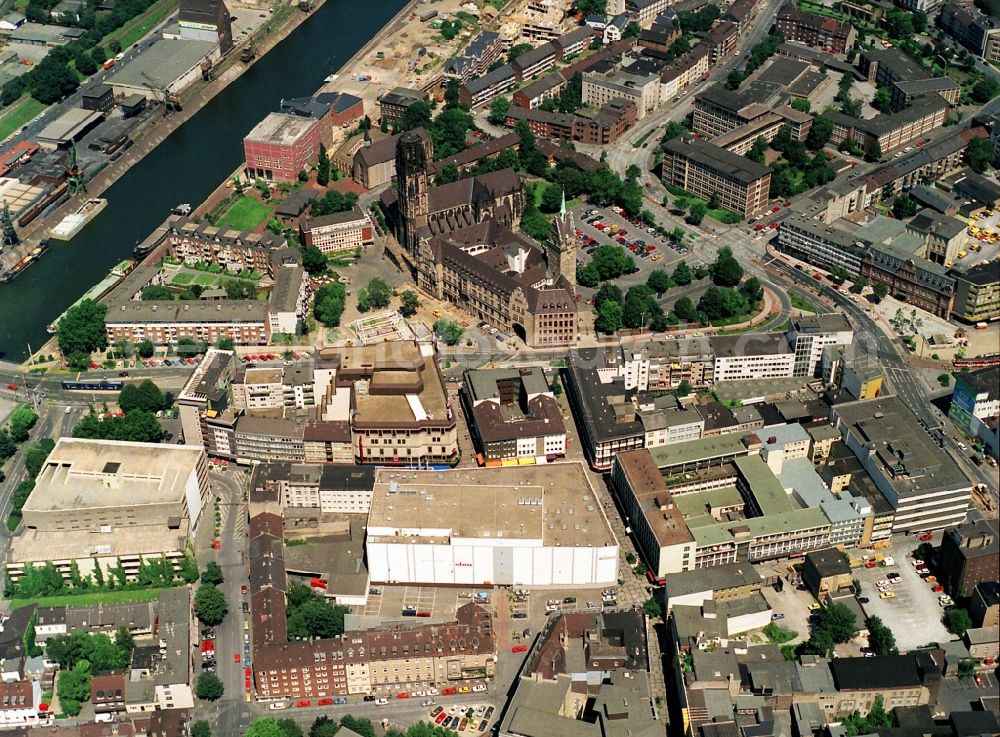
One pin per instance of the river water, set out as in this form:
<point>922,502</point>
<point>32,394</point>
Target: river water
<point>186,167</point>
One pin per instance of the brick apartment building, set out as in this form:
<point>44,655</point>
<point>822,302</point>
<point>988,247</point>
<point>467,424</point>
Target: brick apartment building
<point>924,115</point>
<point>601,128</point>
<point>815,30</point>
<point>970,555</point>
<point>705,170</point>
<point>282,145</point>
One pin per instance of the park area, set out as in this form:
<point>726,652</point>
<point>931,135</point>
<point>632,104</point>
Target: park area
<point>245,214</point>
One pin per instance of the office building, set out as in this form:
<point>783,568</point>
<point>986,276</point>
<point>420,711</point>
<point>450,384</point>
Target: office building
<point>977,293</point>
<point>338,234</point>
<point>976,399</point>
<point>641,89</point>
<point>513,416</point>
<point>826,572</point>
<point>752,356</point>
<point>705,170</point>
<point>922,483</point>
<point>808,335</point>
<point>820,244</point>
<point>325,488</point>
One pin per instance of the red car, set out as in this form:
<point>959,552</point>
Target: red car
<point>12,387</point>
<point>926,537</point>
<point>774,210</point>
<point>304,702</point>
<point>773,225</point>
<point>650,249</point>
<point>324,702</point>
<point>246,684</point>
<point>246,673</point>
<point>870,564</point>
<point>818,277</point>
<point>237,658</point>
<point>441,717</point>
<point>403,695</point>
<point>519,648</point>
<point>759,226</point>
<point>243,589</point>
<point>979,680</point>
<point>937,588</point>
<point>450,691</point>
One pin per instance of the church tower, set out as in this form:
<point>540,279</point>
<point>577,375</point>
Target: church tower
<point>560,252</point>
<point>414,153</point>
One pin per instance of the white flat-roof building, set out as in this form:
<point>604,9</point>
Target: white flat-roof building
<point>524,526</point>
<point>101,502</point>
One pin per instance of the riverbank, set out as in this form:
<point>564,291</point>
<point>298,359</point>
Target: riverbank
<point>154,134</point>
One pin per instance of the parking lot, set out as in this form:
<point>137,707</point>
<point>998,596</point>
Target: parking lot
<point>588,219</point>
<point>913,614</point>
<point>431,603</point>
<point>988,225</point>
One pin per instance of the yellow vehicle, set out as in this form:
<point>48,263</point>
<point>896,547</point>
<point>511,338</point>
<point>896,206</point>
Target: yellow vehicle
<point>887,595</point>
<point>229,184</point>
<point>613,227</point>
<point>949,263</point>
<point>656,257</point>
<point>977,247</point>
<point>815,607</point>
<point>962,254</point>
<point>436,313</point>
<point>464,689</point>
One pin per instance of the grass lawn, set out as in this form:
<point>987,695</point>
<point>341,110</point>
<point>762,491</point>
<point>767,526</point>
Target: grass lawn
<point>245,214</point>
<point>801,304</point>
<point>182,279</point>
<point>206,280</point>
<point>18,114</point>
<point>96,597</point>
<point>139,26</point>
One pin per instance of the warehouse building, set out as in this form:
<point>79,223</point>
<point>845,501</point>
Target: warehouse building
<point>525,526</point>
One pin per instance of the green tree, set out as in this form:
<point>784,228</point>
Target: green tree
<point>145,349</point>
<point>734,79</point>
<point>880,638</point>
<point>417,115</point>
<point>498,110</point>
<point>225,343</point>
<point>696,213</point>
<point>880,291</point>
<point>612,261</point>
<point>379,293</point>
<point>819,133</point>
<point>752,290</point>
<point>333,202</point>
<point>21,421</point>
<point>592,7</point>
<point>155,293</point>
<point>904,206</point>
<point>212,574</point>
<point>552,199</point>
<point>610,318</point>
<point>985,89</point>
<point>957,621</point>
<point>873,151</point>
<point>726,271</point>
<point>290,728</point>
<point>659,281</point>
<point>652,608</point>
<point>209,687</point>
<point>683,389</point>
<point>447,174</point>
<point>314,260</point>
<point>588,276</point>
<point>145,396</point>
<point>452,96</point>
<point>883,100</point>
<point>81,332</point>
<point>684,310</point>
<point>210,605</point>
<point>266,727</point>
<point>978,154</point>
<point>361,725</point>
<point>518,50</point>
<point>408,303</point>
<point>802,105</point>
<point>876,719</point>
<point>838,622</point>
<point>73,687</point>
<point>682,275</point>
<point>323,167</point>
<point>328,305</point>
<point>323,726</point>
<point>756,152</point>
<point>35,455</point>
<point>608,291</point>
<point>448,331</point>
<point>201,728</point>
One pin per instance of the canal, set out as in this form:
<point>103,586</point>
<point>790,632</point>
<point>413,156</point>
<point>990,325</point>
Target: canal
<point>185,167</point>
